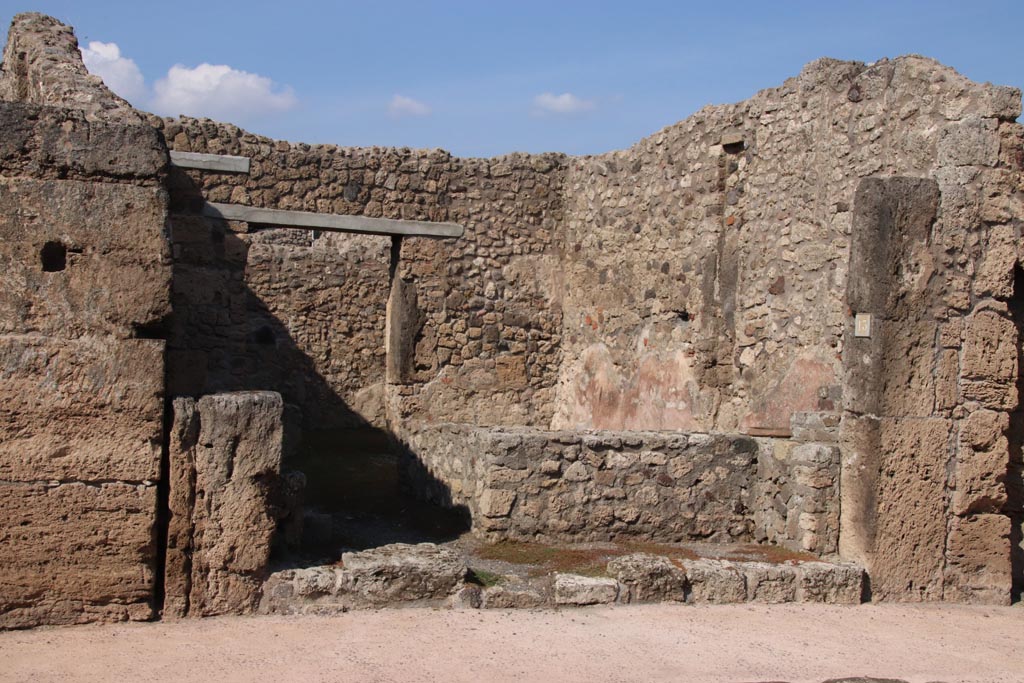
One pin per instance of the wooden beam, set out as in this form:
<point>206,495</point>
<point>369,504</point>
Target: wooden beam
<point>328,221</point>
<point>210,162</point>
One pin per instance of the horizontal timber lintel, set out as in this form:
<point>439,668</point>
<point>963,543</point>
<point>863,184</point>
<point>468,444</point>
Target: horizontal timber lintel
<point>309,220</point>
<point>210,162</point>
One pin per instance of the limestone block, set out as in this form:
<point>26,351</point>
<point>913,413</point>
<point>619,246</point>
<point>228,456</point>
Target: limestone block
<point>572,589</point>
<point>83,409</point>
<point>467,597</point>
<point>972,142</point>
<point>978,560</point>
<point>648,578</point>
<point>402,572</point>
<point>231,522</point>
<point>840,584</point>
<point>497,503</point>
<point>76,552</point>
<point>715,581</point>
<point>314,581</point>
<point>770,583</point>
<point>512,595</point>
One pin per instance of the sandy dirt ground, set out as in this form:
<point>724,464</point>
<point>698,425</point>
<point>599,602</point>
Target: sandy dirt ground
<point>653,643</point>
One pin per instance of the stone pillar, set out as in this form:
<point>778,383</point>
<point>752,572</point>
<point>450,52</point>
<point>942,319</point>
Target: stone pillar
<point>224,485</point>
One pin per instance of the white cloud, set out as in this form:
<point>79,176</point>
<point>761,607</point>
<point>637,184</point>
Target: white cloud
<point>219,92</point>
<point>119,73</point>
<point>402,106</point>
<point>566,103</point>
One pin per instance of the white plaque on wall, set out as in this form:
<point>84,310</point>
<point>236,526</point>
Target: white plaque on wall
<point>862,325</point>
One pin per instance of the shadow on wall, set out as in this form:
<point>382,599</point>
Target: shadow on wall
<point>223,337</point>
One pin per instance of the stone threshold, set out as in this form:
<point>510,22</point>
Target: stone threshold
<point>426,574</point>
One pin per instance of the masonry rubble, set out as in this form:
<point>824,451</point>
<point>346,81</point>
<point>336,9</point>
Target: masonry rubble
<point>656,342</point>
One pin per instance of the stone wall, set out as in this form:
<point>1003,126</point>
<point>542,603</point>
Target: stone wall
<point>85,272</point>
<point>706,265</point>
<point>526,484</point>
<point>705,280</point>
<point>481,323</point>
<point>797,495</point>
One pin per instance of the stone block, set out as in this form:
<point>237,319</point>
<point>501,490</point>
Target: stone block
<point>907,521</point>
<point>571,589</point>
<point>83,409</point>
<point>225,479</point>
<point>770,583</point>
<point>402,572</point>
<point>512,595</point>
<point>50,142</point>
<point>972,142</point>
<point>981,464</point>
<point>978,560</point>
<point>715,581</point>
<point>839,584</point>
<point>75,552</point>
<point>648,578</point>
<point>814,426</point>
<point>111,272</point>
<point>989,360</point>
<point>497,503</point>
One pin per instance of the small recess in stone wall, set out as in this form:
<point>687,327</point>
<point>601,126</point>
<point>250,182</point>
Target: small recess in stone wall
<point>54,257</point>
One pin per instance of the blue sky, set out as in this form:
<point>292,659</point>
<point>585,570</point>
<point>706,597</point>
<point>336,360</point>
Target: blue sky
<point>486,78</point>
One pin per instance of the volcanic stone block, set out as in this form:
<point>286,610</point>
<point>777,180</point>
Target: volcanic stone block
<point>969,143</point>
<point>83,409</point>
<point>82,258</point>
<point>981,466</point>
<point>989,361</point>
<point>47,142</point>
<point>224,483</point>
<point>76,552</point>
<point>978,560</point>
<point>909,522</point>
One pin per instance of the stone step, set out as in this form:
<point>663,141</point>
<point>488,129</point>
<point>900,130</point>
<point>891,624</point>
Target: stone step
<point>431,575</point>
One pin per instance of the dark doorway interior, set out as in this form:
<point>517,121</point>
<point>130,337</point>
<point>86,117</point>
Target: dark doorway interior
<point>356,498</point>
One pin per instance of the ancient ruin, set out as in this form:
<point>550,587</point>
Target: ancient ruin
<point>773,352</point>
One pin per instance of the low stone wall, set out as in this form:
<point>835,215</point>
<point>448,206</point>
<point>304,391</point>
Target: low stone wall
<point>524,483</point>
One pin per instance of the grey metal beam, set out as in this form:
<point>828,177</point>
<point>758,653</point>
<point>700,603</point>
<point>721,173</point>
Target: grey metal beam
<point>210,162</point>
<point>329,221</point>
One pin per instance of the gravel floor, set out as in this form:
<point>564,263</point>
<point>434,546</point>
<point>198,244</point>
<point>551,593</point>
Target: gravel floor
<point>916,643</point>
